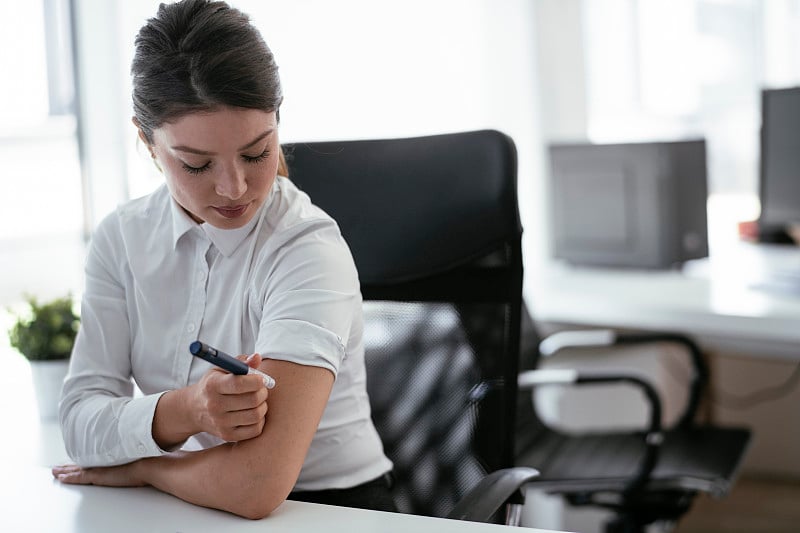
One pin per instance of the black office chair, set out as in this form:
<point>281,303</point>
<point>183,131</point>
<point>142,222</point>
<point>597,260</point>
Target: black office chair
<point>433,225</point>
<point>646,476</point>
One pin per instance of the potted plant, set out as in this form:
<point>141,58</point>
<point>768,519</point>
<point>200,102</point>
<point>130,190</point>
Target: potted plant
<point>44,333</point>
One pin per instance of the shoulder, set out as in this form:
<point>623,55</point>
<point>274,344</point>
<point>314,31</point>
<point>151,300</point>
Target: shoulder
<point>300,237</point>
<point>292,206</point>
<point>133,221</point>
<point>146,208</point>
<point>141,208</point>
<point>292,216</point>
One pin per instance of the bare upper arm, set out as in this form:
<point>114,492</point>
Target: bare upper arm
<point>273,459</point>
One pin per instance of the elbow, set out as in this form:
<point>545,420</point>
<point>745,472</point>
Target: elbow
<point>259,502</point>
<point>255,492</point>
<point>256,509</point>
<point>255,514</point>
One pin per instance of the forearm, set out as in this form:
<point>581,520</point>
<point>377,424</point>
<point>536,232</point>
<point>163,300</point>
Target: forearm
<point>251,477</point>
<point>231,477</point>
<point>248,477</point>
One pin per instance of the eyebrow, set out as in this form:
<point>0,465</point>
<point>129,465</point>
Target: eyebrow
<point>191,150</point>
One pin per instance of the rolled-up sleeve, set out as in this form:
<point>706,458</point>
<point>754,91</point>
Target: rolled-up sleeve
<point>101,422</point>
<point>309,306</point>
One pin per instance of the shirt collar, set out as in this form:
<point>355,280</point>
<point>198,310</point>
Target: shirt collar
<point>182,223</point>
<point>226,240</point>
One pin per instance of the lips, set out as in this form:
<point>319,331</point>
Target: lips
<point>231,212</point>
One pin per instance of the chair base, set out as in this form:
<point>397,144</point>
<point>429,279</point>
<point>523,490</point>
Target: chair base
<point>635,514</point>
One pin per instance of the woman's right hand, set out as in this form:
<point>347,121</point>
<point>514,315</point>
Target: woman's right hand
<point>231,407</point>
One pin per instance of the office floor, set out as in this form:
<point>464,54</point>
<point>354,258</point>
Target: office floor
<point>754,505</point>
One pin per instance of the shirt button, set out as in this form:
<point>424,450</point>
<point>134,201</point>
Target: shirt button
<point>141,447</point>
<point>190,328</point>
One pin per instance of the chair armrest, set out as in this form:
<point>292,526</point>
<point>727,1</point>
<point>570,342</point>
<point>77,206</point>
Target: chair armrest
<point>605,338</point>
<point>653,437</point>
<point>494,490</point>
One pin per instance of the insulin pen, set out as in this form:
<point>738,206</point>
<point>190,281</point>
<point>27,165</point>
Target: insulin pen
<point>226,362</point>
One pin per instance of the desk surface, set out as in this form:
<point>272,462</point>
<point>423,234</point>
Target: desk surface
<point>34,502</point>
<point>746,299</point>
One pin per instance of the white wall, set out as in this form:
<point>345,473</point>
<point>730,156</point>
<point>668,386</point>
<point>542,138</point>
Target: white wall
<point>364,69</point>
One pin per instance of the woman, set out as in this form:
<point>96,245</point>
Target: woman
<point>228,251</point>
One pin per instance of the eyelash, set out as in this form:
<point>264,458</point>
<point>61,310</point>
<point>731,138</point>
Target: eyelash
<point>257,159</point>
<point>254,160</point>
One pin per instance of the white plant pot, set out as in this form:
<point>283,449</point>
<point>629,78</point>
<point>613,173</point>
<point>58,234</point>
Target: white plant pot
<point>48,377</point>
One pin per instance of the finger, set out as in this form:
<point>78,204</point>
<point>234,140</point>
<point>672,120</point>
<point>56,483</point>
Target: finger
<point>253,360</point>
<point>247,417</point>
<point>73,478</point>
<point>64,469</point>
<point>72,474</point>
<point>232,384</point>
<point>229,403</point>
<point>218,406</point>
<point>241,433</point>
<point>221,382</point>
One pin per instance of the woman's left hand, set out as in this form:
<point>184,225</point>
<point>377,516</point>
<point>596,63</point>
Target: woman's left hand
<point>108,476</point>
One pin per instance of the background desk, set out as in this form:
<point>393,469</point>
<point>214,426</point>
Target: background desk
<point>34,502</point>
<point>746,299</point>
<point>742,306</point>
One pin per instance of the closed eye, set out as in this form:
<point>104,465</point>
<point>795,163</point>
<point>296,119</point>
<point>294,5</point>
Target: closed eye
<point>256,159</point>
<point>248,158</point>
<point>196,170</point>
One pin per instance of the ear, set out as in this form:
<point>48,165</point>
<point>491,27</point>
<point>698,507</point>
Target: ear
<point>142,136</point>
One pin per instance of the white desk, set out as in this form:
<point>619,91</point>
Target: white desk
<point>33,502</point>
<point>719,301</point>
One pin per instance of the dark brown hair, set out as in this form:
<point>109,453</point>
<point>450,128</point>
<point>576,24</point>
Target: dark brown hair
<point>197,55</point>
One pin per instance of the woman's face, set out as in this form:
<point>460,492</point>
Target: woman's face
<point>219,165</point>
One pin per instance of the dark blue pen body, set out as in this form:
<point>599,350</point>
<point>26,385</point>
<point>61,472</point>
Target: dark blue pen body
<point>218,358</point>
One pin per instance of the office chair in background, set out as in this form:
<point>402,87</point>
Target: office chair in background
<point>434,229</point>
<point>645,476</point>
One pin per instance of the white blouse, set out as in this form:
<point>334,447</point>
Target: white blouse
<point>284,286</point>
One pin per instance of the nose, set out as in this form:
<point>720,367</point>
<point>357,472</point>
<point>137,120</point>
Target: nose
<point>232,183</point>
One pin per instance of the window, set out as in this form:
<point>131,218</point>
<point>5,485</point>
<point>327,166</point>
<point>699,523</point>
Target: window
<point>42,219</point>
<point>38,145</point>
<point>665,69</point>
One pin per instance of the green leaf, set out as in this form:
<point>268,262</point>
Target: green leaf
<point>45,331</point>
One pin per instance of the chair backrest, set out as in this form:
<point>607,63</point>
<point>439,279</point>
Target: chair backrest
<point>434,229</point>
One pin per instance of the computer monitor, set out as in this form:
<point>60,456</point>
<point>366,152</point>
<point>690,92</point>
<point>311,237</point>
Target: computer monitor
<point>780,160</point>
<point>629,205</point>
